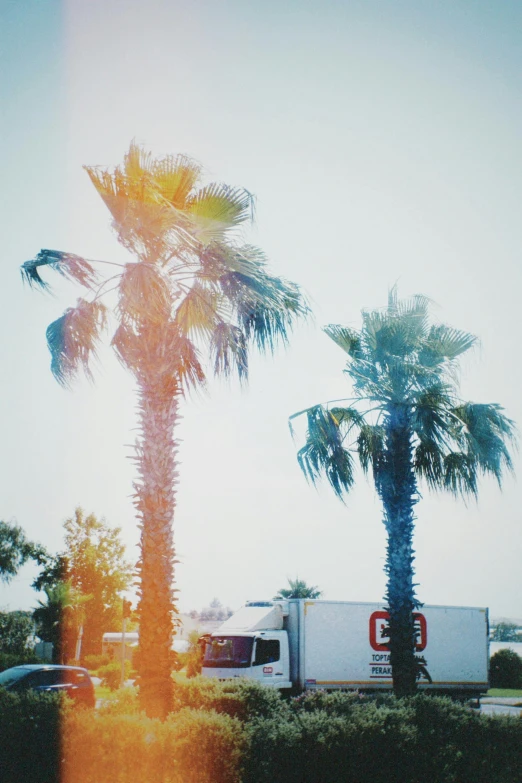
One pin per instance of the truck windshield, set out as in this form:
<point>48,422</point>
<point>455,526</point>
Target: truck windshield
<point>229,652</point>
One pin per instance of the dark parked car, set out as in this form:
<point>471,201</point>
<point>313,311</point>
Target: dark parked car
<point>72,680</point>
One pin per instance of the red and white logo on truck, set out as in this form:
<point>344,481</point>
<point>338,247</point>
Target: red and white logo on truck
<point>380,641</point>
<point>380,668</point>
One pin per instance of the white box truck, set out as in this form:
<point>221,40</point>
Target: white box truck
<point>305,645</point>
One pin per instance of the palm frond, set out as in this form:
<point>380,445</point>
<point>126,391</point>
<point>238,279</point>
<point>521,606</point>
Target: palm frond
<point>73,339</point>
<point>428,461</point>
<point>144,294</point>
<point>460,474</point>
<point>323,452</point>
<point>128,347</point>
<point>175,177</point>
<point>266,306</point>
<point>228,345</point>
<point>485,430</point>
<point>216,208</point>
<point>432,419</point>
<point>445,343</point>
<point>347,339</point>
<point>271,322</point>
<point>346,418</point>
<point>185,359</point>
<point>68,265</point>
<point>159,351</point>
<point>371,447</point>
<point>145,211</point>
<point>199,310</point>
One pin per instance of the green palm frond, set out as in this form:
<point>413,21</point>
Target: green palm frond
<point>68,265</point>
<point>229,348</point>
<point>266,306</point>
<point>428,461</point>
<point>324,452</point>
<point>347,339</point>
<point>460,474</point>
<point>445,343</point>
<point>346,418</point>
<point>431,415</point>
<point>73,339</point>
<point>485,428</point>
<point>144,294</point>
<point>216,208</point>
<point>371,447</point>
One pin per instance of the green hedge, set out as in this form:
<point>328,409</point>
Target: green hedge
<point>191,746</point>
<point>30,735</point>
<point>244,733</point>
<point>337,739</point>
<point>242,699</point>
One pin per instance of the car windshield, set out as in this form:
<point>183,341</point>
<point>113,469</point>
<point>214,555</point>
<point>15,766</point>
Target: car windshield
<point>12,675</point>
<point>228,652</point>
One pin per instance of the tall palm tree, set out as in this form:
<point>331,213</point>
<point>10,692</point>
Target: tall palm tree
<point>192,285</point>
<point>405,422</point>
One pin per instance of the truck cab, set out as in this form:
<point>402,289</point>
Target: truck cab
<point>252,644</point>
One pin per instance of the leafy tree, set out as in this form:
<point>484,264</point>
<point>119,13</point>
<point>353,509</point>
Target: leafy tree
<point>92,567</point>
<point>298,589</point>
<point>192,285</point>
<point>405,422</point>
<point>16,633</point>
<point>56,569</point>
<point>16,550</point>
<point>505,632</point>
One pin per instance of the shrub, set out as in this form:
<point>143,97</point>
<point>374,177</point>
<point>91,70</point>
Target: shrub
<point>220,742</point>
<point>126,702</point>
<point>336,738</point>
<point>505,670</point>
<point>111,674</point>
<point>12,659</point>
<point>192,746</point>
<point>94,662</point>
<point>241,699</point>
<point>30,736</point>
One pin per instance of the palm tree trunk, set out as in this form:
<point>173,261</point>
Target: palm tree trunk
<point>155,502</point>
<point>399,495</point>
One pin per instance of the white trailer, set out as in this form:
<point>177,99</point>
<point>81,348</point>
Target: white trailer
<point>305,645</point>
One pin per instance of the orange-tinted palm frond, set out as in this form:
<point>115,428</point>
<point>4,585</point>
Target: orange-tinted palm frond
<point>159,352</point>
<point>128,347</point>
<point>175,178</point>
<point>144,294</point>
<point>69,265</point>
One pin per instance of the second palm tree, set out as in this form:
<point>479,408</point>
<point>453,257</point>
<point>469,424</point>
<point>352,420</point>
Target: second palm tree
<point>406,421</point>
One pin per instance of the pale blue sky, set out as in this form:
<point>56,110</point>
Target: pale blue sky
<point>382,142</point>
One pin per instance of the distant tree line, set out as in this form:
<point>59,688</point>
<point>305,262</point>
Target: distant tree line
<point>506,632</point>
